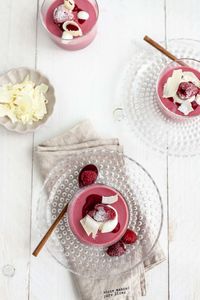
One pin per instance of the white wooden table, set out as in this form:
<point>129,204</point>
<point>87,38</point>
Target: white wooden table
<point>85,82</point>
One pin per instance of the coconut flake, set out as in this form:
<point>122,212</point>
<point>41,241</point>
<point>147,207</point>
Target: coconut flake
<point>110,225</point>
<point>185,108</point>
<point>109,199</point>
<point>90,225</point>
<point>197,99</point>
<point>191,77</point>
<point>180,101</point>
<point>172,84</point>
<point>83,15</point>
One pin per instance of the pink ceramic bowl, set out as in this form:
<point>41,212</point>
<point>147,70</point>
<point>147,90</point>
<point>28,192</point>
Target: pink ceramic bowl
<point>75,215</point>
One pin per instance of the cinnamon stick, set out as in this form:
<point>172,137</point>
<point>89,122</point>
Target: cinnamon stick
<point>49,232</point>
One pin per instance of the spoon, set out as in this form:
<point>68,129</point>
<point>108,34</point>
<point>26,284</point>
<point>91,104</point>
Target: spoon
<point>45,238</point>
<point>163,50</point>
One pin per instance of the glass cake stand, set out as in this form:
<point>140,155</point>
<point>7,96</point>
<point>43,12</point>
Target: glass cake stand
<point>138,189</point>
<point>140,109</point>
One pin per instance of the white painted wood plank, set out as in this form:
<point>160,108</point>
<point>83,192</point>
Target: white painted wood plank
<point>184,205</point>
<point>17,47</point>
<point>184,223</point>
<point>85,83</point>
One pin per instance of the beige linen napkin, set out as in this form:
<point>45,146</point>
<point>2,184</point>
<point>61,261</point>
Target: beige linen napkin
<point>129,285</point>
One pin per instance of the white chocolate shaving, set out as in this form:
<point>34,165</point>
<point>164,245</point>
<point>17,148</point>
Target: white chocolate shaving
<point>109,225</point>
<point>190,77</point>
<point>83,15</point>
<point>109,199</point>
<point>23,101</point>
<point>90,225</point>
<point>172,84</point>
<point>197,99</point>
<point>185,108</point>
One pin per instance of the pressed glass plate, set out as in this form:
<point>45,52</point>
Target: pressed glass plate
<point>132,181</point>
<point>139,106</point>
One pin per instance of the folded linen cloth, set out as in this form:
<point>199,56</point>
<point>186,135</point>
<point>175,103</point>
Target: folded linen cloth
<point>129,285</point>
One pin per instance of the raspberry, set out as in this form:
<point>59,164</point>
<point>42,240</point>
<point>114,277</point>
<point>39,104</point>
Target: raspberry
<point>88,177</point>
<point>117,249</point>
<point>116,229</point>
<point>186,90</point>
<point>102,213</point>
<point>90,203</point>
<point>129,237</point>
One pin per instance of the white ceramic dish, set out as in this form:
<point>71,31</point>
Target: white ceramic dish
<point>17,75</point>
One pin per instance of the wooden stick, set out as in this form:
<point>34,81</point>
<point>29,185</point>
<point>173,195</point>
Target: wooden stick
<point>49,232</point>
<point>163,50</point>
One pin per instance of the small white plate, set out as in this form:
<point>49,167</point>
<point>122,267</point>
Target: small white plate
<point>16,76</point>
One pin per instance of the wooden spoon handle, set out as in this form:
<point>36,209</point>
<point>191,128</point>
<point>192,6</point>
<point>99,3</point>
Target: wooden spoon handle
<point>49,232</point>
<point>163,50</point>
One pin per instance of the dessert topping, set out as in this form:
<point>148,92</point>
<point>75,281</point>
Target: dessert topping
<point>73,28</point>
<point>186,107</point>
<point>69,4</point>
<point>83,15</point>
<point>183,88</point>
<point>105,215</point>
<point>24,102</point>
<point>116,249</point>
<point>110,225</point>
<point>61,14</point>
<point>66,36</point>
<point>102,213</point>
<point>109,199</point>
<point>90,203</point>
<point>88,177</point>
<point>90,225</point>
<point>186,90</point>
<point>129,237</point>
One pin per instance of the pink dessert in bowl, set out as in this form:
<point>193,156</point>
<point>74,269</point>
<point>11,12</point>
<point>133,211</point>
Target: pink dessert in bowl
<point>178,89</point>
<point>71,24</point>
<point>98,215</point>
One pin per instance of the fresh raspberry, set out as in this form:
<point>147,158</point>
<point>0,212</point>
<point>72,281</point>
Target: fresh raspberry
<point>88,177</point>
<point>117,249</point>
<point>129,237</point>
<point>102,213</point>
<point>90,203</point>
<point>186,90</point>
<point>116,229</point>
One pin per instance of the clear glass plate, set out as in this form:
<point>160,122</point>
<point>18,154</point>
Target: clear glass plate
<point>140,107</point>
<point>132,181</point>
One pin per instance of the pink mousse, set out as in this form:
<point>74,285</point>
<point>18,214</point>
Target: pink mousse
<point>82,5</point>
<point>75,214</point>
<point>168,104</point>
